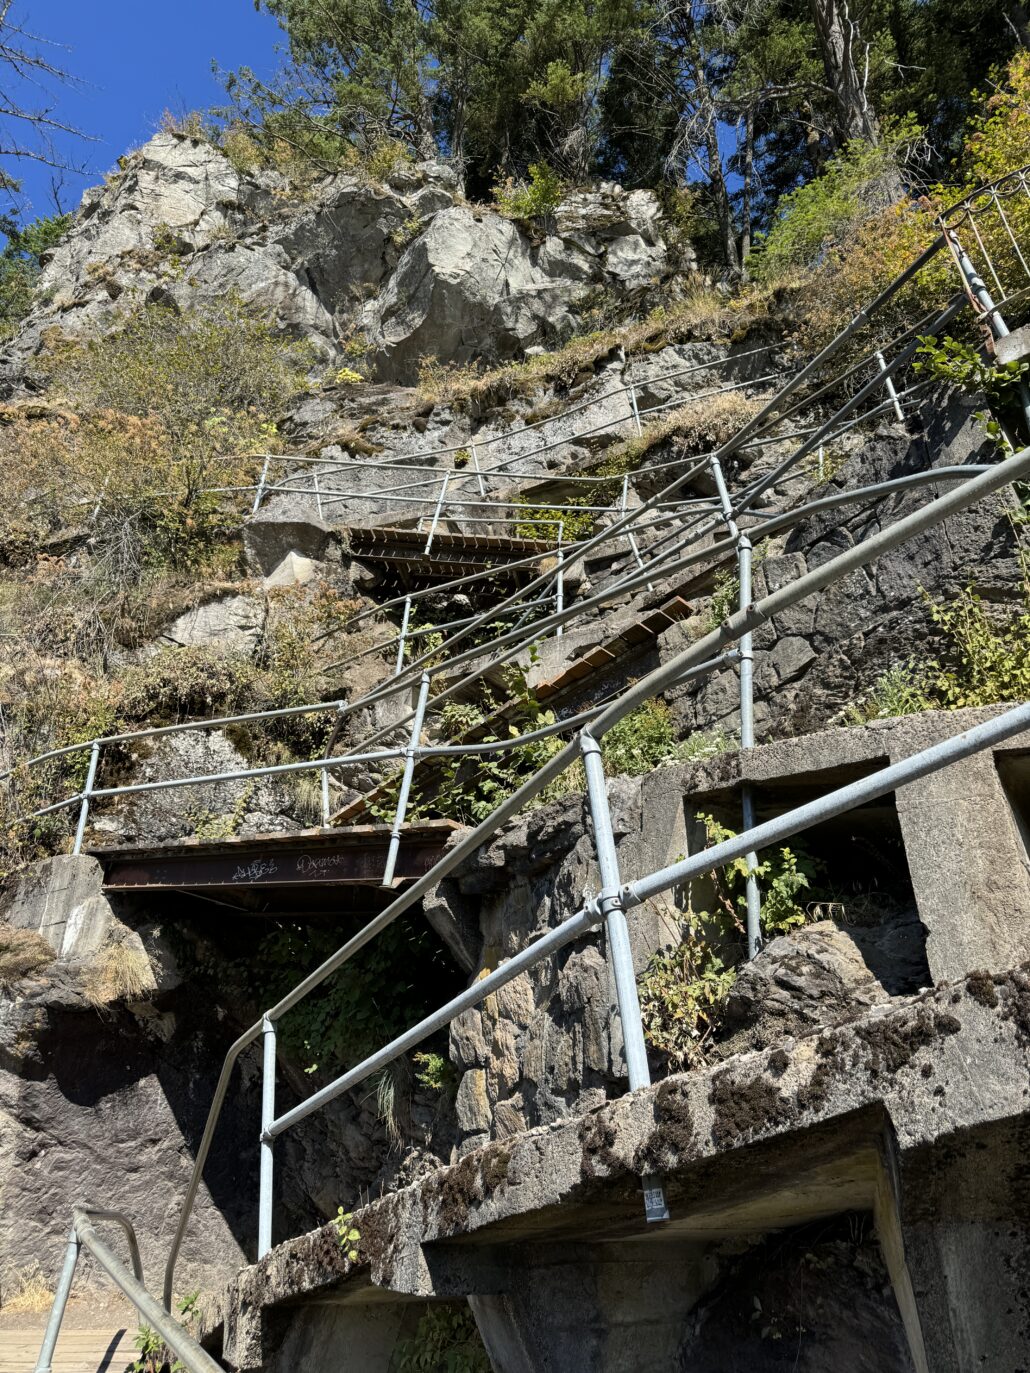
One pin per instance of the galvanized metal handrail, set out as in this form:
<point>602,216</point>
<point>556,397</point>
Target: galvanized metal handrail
<point>83,1234</point>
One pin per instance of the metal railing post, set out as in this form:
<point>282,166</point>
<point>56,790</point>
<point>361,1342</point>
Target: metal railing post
<point>475,464</point>
<point>617,932</point>
<point>400,642</point>
<point>324,786</point>
<point>630,536</point>
<point>436,512</point>
<point>318,495</point>
<point>259,493</point>
<point>267,1140</point>
<point>753,895</point>
<point>976,290</point>
<point>64,1287</point>
<point>409,769</point>
<point>87,792</point>
<point>747,741</point>
<point>636,412</point>
<point>891,389</point>
<point>559,579</point>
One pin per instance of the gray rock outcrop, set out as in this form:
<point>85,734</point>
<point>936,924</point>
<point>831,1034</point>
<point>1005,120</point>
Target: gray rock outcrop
<point>178,224</point>
<point>233,624</point>
<point>476,285</point>
<point>813,976</point>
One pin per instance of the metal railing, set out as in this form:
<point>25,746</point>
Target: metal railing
<point>655,555</point>
<point>690,539</point>
<point>83,1235</point>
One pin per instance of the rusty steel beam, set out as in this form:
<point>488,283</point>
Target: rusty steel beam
<point>311,858</point>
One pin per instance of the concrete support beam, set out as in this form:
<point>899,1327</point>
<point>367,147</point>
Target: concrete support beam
<point>612,1308</point>
<point>965,1226</point>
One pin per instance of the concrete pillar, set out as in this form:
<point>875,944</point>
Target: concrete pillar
<point>608,1308</point>
<point>960,1254</point>
<point>968,867</point>
<point>339,1337</point>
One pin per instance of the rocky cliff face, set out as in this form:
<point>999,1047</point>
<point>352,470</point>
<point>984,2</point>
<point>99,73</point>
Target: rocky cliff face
<point>420,272</point>
<point>112,1032</point>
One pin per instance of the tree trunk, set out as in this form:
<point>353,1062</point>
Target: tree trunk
<point>723,208</point>
<point>844,56</point>
<point>747,176</point>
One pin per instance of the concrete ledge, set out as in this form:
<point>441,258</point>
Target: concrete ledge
<point>816,1126</point>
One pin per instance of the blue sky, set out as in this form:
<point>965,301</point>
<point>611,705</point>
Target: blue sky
<point>135,59</point>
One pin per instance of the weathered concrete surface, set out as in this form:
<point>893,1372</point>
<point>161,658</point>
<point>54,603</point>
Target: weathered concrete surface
<point>858,1119</point>
<point>973,898</point>
<point>549,1044</point>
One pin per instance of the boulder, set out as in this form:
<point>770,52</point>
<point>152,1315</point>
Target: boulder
<point>473,285</point>
<point>234,624</point>
<point>294,570</point>
<point>62,899</point>
<point>813,976</point>
<point>269,538</point>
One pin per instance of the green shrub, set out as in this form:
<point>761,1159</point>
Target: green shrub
<point>445,1341</point>
<point>169,403</point>
<point>180,682</point>
<point>387,985</point>
<point>540,195</point>
<point>825,210</point>
<point>433,1072</point>
<point>984,661</point>
<point>20,264</point>
<point>683,989</point>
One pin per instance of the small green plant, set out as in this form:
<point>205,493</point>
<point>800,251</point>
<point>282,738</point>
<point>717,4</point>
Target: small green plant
<point>446,1340</point>
<point>640,741</point>
<point>984,660</point>
<point>154,1354</point>
<point>683,989</point>
<point>188,1306</point>
<point>166,240</point>
<point>962,365</point>
<point>208,827</point>
<point>346,1235</point>
<point>726,591</point>
<point>540,195</point>
<point>346,376</point>
<point>681,993</point>
<point>385,158</point>
<point>407,232</point>
<point>433,1071</point>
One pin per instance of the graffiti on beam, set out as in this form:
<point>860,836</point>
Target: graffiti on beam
<point>317,865</point>
<point>255,871</point>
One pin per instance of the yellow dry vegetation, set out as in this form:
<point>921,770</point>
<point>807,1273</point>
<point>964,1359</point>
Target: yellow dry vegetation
<point>121,972</point>
<point>30,1293</point>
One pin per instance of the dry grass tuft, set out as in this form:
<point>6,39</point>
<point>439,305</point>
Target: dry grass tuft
<point>119,973</point>
<point>703,313</point>
<point>22,952</point>
<point>30,1295</point>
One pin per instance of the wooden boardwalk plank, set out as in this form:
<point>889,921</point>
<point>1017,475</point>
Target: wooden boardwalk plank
<point>78,1351</point>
